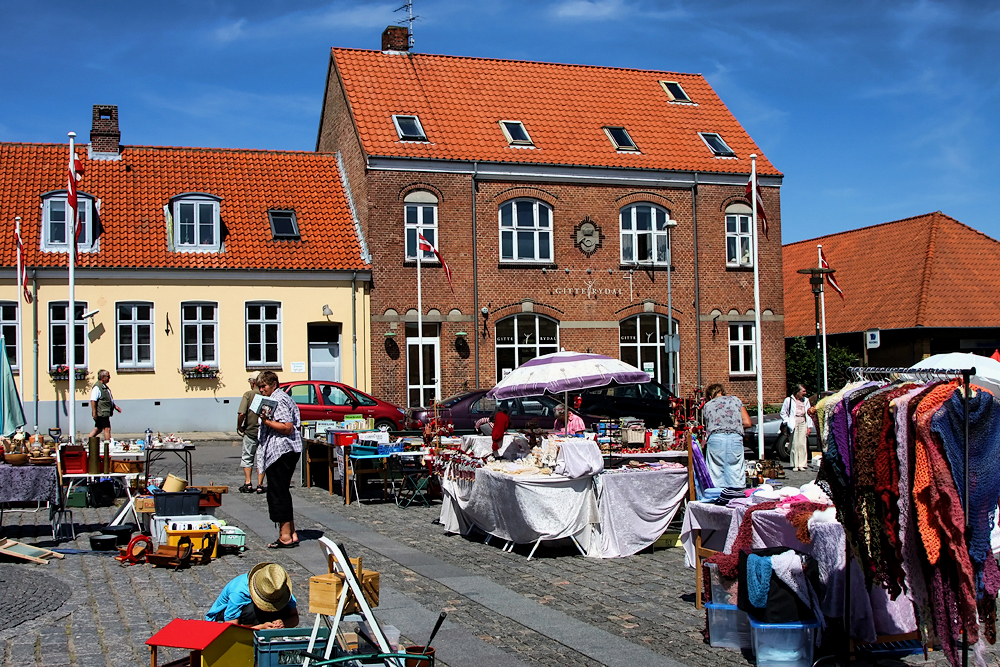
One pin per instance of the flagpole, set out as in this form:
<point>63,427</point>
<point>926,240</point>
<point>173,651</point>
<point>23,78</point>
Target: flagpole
<point>420,328</point>
<point>822,306</point>
<point>756,309</point>
<point>71,316</point>
<point>20,320</point>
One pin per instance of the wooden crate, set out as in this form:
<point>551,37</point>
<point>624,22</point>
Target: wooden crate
<point>325,589</point>
<point>126,466</point>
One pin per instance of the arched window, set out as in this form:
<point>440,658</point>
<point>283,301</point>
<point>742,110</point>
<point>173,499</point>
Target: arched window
<point>739,235</point>
<point>525,231</point>
<point>645,234</point>
<point>642,344</point>
<point>523,337</point>
<point>421,215</point>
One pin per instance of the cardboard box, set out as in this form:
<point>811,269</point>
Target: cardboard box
<point>325,589</point>
<point>145,504</point>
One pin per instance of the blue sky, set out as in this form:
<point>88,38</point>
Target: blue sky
<point>874,110</point>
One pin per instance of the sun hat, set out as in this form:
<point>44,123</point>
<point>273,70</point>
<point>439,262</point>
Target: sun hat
<point>269,588</point>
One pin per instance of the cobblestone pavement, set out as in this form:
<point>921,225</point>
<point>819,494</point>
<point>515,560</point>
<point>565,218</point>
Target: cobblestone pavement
<point>646,601</point>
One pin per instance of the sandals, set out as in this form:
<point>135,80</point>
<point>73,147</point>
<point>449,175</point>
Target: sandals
<point>246,488</point>
<point>261,489</point>
<point>278,544</point>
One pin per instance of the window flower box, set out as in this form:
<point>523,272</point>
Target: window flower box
<point>62,373</point>
<point>200,372</point>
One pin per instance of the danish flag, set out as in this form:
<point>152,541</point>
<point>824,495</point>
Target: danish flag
<point>24,269</point>
<point>423,245</point>
<point>829,276</point>
<point>75,176</point>
<point>759,202</point>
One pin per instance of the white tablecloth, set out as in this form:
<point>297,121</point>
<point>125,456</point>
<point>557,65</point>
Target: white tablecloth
<point>482,445</point>
<point>636,508</point>
<point>522,509</point>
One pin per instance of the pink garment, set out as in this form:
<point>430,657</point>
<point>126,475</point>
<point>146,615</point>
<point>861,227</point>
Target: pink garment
<point>576,425</point>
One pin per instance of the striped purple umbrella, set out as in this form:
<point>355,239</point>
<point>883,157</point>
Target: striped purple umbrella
<point>563,372</point>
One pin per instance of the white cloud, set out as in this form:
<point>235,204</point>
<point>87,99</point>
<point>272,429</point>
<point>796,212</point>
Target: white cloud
<point>231,31</point>
<point>327,19</point>
<point>589,10</point>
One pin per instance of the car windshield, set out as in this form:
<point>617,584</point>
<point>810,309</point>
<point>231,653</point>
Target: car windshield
<point>452,400</point>
<point>654,390</point>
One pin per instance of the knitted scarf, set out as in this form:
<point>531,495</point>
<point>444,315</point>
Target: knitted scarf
<point>799,515</point>
<point>867,432</point>
<point>729,563</point>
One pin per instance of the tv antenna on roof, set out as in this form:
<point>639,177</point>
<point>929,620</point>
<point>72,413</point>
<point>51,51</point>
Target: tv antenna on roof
<point>408,21</point>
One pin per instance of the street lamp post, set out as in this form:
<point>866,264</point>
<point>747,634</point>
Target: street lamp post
<point>671,337</point>
<point>817,276</point>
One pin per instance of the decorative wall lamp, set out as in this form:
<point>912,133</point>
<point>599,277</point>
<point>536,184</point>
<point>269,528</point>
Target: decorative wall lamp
<point>326,310</point>
<point>486,316</point>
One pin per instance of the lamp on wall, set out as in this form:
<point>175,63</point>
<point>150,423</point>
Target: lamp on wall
<point>486,316</point>
<point>326,310</point>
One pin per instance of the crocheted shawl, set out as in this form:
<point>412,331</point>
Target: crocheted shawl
<point>729,563</point>
<point>799,515</point>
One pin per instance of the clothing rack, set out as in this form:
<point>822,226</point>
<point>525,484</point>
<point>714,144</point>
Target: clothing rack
<point>924,375</point>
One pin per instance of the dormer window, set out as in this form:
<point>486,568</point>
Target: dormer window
<point>57,226</point>
<point>620,138</point>
<point>196,226</point>
<point>515,133</point>
<point>283,224</point>
<point>718,146</point>
<point>409,128</point>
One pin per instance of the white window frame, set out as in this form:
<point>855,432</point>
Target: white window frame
<point>260,324</point>
<point>530,339</point>
<point>85,211</point>
<point>673,98</point>
<point>727,152</point>
<point>199,323</point>
<point>198,201</point>
<point>11,326</point>
<point>632,148</point>
<point>540,231</point>
<point>630,328</point>
<point>420,204</point>
<point>742,347</point>
<point>134,324</point>
<point>739,235</point>
<point>429,341</point>
<point>422,137</point>
<point>80,324</point>
<point>510,139</point>
<point>658,238</point>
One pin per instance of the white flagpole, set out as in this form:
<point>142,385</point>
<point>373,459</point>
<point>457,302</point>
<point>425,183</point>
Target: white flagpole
<point>822,306</point>
<point>20,319</point>
<point>756,309</point>
<point>420,328</point>
<point>71,315</point>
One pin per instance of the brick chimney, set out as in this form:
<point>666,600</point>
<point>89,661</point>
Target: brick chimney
<point>105,137</point>
<point>396,38</point>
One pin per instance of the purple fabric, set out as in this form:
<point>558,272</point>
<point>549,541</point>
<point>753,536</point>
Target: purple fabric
<point>701,475</point>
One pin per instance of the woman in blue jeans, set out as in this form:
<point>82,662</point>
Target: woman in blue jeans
<point>725,418</point>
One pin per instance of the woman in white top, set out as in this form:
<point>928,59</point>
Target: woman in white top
<point>794,412</point>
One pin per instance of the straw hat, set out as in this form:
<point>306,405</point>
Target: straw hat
<point>269,588</point>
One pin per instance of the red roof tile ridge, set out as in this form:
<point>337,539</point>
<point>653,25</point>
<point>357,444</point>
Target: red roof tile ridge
<point>869,227</point>
<point>514,60</point>
<point>195,149</point>
<point>925,280</point>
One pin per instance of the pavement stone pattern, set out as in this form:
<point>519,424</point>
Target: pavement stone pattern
<point>27,595</point>
<point>111,610</point>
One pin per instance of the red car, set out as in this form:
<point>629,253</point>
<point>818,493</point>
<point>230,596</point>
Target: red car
<point>332,400</point>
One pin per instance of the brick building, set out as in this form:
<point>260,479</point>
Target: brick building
<point>548,189</point>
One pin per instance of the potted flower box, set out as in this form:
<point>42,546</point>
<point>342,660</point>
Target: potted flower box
<point>62,373</point>
<point>201,372</point>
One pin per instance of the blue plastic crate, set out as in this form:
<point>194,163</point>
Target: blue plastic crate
<point>390,449</point>
<point>783,644</point>
<point>282,647</point>
<point>728,627</point>
<point>364,450</point>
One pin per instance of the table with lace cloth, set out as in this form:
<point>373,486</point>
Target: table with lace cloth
<point>636,507</point>
<point>28,484</point>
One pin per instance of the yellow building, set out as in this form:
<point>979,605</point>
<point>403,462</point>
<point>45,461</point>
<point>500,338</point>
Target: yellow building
<point>196,268</point>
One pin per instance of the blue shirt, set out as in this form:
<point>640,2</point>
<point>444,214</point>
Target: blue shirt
<point>235,596</point>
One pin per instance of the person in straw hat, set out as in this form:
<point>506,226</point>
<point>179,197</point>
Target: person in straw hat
<point>261,600</point>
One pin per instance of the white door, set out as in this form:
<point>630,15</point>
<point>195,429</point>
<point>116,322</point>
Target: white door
<point>422,389</point>
<point>324,352</point>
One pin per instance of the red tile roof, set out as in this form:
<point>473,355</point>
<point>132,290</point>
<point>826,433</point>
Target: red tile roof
<point>926,271</point>
<point>134,190</point>
<point>563,108</point>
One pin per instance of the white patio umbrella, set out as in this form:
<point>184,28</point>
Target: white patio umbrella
<point>987,369</point>
<point>563,372</point>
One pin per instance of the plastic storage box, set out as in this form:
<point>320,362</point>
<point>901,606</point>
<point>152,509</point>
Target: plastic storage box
<point>232,537</point>
<point>191,522</point>
<point>281,647</point>
<point>728,627</point>
<point>783,644</point>
<point>181,503</point>
<point>719,593</point>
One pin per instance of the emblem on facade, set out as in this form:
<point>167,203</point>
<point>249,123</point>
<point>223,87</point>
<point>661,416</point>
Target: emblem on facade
<point>588,236</point>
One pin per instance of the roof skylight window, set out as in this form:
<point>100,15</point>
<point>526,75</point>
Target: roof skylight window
<point>619,137</point>
<point>283,224</point>
<point>717,145</point>
<point>674,91</point>
<point>409,128</point>
<point>515,133</point>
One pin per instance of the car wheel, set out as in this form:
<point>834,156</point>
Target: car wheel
<point>782,447</point>
<point>388,423</point>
